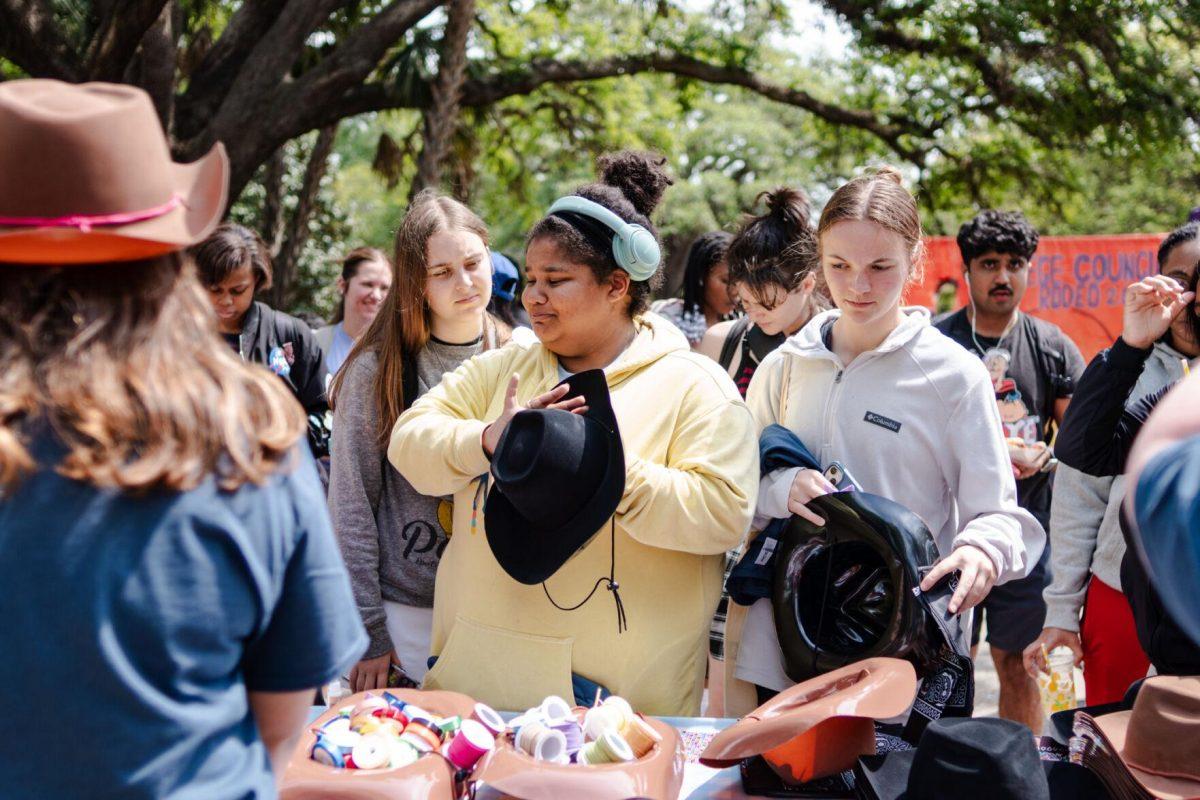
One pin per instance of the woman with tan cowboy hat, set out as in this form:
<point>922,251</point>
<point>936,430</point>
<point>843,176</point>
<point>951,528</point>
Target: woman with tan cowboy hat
<point>170,578</point>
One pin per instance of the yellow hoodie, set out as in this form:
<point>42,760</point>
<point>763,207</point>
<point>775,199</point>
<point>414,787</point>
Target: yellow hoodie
<point>690,483</point>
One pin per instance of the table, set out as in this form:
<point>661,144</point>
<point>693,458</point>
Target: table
<point>699,782</point>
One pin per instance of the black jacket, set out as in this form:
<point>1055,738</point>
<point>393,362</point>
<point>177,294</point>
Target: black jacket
<point>1101,422</point>
<point>1096,436</point>
<point>287,347</point>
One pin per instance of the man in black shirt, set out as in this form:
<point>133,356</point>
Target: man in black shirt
<point>1034,366</point>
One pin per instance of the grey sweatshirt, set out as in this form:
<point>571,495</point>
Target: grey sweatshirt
<point>391,536</point>
<point>1085,530</point>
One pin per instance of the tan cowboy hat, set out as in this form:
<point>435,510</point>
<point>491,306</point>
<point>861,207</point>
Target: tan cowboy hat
<point>1158,742</point>
<point>820,727</point>
<point>86,176</point>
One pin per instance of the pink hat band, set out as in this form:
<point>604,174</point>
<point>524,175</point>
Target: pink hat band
<point>85,222</point>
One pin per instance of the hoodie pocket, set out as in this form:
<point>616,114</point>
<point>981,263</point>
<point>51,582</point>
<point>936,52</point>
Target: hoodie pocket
<point>506,669</point>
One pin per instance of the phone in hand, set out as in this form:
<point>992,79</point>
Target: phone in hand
<point>840,477</point>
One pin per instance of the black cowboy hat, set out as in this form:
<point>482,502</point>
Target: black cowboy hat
<point>984,759</point>
<point>558,477</point>
<point>850,590</point>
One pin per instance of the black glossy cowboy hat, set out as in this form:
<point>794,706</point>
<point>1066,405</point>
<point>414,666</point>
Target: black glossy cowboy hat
<point>557,478</point>
<point>850,590</point>
<point>981,759</point>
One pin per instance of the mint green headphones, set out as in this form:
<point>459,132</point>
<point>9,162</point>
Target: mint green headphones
<point>635,248</point>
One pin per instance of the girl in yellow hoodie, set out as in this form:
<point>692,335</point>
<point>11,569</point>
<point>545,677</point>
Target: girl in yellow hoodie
<point>691,477</point>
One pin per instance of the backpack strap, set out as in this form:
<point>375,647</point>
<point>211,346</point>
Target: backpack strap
<point>733,342</point>
<point>408,379</point>
<point>1053,364</point>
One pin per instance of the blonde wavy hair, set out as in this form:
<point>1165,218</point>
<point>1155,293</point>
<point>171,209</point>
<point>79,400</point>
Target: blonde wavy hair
<point>123,364</point>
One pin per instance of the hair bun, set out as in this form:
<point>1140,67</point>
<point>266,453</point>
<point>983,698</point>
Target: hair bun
<point>639,176</point>
<point>889,173</point>
<point>788,206</point>
<point>782,237</point>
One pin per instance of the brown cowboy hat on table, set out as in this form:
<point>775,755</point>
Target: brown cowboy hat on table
<point>86,176</point>
<point>1152,751</point>
<point>821,726</point>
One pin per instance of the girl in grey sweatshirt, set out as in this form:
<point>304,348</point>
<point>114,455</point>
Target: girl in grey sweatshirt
<point>391,536</point>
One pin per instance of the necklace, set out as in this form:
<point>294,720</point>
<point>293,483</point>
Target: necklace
<point>484,338</point>
<point>442,366</point>
<point>1012,323</point>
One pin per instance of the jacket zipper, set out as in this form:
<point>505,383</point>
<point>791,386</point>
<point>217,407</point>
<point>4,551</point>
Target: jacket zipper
<point>830,404</point>
<point>835,391</point>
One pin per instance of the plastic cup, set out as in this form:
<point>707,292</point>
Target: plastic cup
<point>1057,685</point>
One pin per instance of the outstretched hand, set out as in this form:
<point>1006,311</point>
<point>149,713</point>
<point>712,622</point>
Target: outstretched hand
<point>1150,306</point>
<point>551,399</point>
<point>978,575</point>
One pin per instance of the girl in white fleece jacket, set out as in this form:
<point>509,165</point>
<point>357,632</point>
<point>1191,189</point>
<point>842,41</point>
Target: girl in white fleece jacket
<point>909,414</point>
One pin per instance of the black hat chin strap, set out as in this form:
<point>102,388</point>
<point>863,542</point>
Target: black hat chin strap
<point>609,583</point>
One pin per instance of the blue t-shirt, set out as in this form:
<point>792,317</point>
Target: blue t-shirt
<point>339,348</point>
<point>132,628</point>
<point>1167,502</point>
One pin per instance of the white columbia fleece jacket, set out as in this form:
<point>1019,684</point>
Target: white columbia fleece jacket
<point>914,420</point>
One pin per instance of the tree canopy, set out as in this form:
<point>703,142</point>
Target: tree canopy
<point>1081,112</point>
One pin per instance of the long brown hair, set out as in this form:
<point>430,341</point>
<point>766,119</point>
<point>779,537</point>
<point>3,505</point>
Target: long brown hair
<point>402,326</point>
<point>123,363</point>
<point>350,266</point>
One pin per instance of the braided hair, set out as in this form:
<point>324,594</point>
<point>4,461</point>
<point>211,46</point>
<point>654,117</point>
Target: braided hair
<point>704,254</point>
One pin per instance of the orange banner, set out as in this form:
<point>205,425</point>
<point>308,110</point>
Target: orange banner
<point>1076,282</point>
